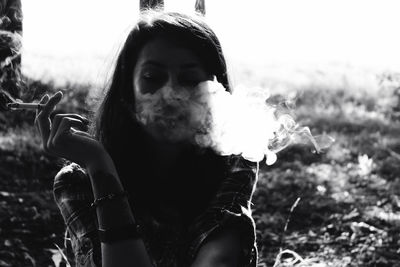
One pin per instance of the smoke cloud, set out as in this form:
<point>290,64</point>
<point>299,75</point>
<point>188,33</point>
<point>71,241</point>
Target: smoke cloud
<point>240,123</point>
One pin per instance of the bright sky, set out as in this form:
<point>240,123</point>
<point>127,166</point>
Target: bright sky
<point>77,38</point>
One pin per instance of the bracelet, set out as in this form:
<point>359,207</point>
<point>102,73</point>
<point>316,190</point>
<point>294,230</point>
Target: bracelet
<point>111,196</point>
<point>129,231</point>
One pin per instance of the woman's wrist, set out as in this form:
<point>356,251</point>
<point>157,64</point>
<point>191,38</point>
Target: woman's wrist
<point>103,176</point>
<point>101,162</point>
<point>113,212</point>
<point>110,198</point>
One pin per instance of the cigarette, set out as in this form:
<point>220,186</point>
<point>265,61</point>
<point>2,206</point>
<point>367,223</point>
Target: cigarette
<point>17,105</point>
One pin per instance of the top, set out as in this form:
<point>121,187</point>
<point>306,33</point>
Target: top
<point>172,231</point>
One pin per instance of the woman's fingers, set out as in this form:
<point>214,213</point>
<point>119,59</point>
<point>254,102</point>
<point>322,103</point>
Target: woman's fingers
<point>81,133</point>
<point>76,116</point>
<point>41,124</point>
<point>48,108</point>
<point>44,100</point>
<point>63,130</point>
<point>42,119</point>
<point>59,117</point>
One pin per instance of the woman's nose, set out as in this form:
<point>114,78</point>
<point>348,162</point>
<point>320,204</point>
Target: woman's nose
<point>172,81</point>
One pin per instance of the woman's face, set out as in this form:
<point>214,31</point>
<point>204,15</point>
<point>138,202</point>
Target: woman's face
<point>164,80</point>
<point>162,63</point>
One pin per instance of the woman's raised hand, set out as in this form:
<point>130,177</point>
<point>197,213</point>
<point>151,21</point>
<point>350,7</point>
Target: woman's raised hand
<point>65,136</point>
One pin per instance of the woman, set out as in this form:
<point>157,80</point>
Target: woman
<point>192,206</point>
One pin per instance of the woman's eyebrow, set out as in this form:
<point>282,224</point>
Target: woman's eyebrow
<point>153,63</point>
<point>191,65</point>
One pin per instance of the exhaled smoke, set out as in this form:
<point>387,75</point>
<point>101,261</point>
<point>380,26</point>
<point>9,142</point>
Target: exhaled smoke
<point>172,114</point>
<point>239,123</point>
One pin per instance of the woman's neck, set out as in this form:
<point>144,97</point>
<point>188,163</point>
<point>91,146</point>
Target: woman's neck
<point>167,154</point>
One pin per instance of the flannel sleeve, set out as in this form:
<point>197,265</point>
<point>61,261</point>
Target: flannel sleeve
<point>231,207</point>
<point>73,196</point>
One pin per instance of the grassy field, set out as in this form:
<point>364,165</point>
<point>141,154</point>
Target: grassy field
<point>337,208</point>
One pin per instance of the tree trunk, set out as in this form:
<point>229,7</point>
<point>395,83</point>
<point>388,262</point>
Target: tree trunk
<point>200,7</point>
<point>10,46</point>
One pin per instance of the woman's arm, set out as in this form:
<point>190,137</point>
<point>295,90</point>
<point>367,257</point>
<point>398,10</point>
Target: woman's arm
<point>221,250</point>
<point>65,137</point>
<point>224,234</point>
<point>114,214</point>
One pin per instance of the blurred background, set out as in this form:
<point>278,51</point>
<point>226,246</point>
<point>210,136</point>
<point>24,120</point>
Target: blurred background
<point>341,61</point>
<point>279,40</point>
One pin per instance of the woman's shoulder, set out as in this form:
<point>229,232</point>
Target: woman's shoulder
<point>70,173</point>
<point>239,163</point>
<point>71,183</point>
<point>73,196</point>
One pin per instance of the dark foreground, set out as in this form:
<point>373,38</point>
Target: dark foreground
<point>348,198</point>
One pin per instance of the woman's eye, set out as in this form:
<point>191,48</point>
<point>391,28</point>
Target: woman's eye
<point>148,76</point>
<point>152,76</point>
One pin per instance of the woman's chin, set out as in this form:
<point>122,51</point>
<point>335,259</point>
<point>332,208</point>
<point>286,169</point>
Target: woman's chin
<point>170,134</point>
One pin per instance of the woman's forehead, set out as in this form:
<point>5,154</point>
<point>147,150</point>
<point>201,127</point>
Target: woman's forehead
<point>162,52</point>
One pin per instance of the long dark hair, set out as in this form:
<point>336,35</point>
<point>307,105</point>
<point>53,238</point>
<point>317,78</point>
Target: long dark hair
<point>113,115</point>
<point>115,127</point>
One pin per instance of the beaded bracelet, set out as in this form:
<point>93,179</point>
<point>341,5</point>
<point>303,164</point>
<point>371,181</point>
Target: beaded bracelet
<point>111,196</point>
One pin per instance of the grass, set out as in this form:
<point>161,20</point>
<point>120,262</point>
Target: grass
<point>349,208</point>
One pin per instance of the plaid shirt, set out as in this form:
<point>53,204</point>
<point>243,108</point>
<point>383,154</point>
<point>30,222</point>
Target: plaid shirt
<point>168,241</point>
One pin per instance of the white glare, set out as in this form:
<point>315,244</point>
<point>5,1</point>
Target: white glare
<point>74,40</point>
